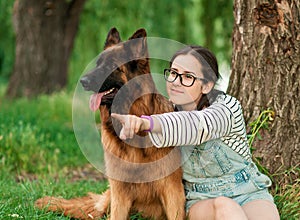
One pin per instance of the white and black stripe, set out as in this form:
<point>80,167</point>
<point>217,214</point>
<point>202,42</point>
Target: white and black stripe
<point>222,119</point>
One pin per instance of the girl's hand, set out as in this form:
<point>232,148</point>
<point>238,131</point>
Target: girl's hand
<point>131,125</point>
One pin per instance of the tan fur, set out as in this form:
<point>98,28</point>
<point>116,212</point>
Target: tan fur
<point>81,208</point>
<point>159,199</point>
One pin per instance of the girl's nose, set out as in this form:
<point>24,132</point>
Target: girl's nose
<point>177,81</point>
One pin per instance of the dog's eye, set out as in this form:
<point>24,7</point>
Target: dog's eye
<point>119,69</point>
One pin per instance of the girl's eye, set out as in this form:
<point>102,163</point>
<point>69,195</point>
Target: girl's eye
<point>188,76</point>
<point>173,73</point>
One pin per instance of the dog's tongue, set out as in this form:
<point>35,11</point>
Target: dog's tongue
<point>95,101</point>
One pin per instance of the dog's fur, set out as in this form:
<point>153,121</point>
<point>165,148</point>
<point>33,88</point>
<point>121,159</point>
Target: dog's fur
<point>162,198</point>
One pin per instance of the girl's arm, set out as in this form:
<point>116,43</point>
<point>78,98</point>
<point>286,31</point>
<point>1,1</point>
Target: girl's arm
<point>188,127</point>
<point>133,124</point>
<point>223,119</point>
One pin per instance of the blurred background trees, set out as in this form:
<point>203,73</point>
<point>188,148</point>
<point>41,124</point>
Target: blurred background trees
<point>45,33</point>
<point>42,27</point>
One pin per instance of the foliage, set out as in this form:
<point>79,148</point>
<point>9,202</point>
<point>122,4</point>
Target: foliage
<point>216,25</point>
<point>7,38</point>
<point>262,122</point>
<point>178,20</point>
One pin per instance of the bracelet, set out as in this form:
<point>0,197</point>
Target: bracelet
<point>151,122</point>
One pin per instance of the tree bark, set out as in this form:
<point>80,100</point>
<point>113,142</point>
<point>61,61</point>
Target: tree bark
<point>266,74</point>
<point>45,32</point>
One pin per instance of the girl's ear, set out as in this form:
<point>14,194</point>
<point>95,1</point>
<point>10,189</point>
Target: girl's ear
<point>207,87</point>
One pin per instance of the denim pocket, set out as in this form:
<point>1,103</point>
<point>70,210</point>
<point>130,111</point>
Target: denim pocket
<point>261,181</point>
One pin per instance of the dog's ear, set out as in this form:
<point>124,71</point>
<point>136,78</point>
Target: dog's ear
<point>113,37</point>
<point>140,33</point>
<point>138,44</point>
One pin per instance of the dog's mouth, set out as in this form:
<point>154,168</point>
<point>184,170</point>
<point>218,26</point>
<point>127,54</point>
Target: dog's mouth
<point>97,99</point>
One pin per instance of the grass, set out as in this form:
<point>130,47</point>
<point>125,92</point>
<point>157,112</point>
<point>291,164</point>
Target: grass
<point>287,199</point>
<point>39,156</point>
<point>17,198</point>
<point>37,133</point>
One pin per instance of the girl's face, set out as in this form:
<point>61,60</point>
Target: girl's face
<point>187,97</point>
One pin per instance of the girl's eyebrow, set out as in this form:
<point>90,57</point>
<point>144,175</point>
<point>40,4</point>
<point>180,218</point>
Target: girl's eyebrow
<point>185,71</point>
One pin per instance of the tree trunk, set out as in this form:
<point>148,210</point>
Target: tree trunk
<point>45,32</point>
<point>266,74</point>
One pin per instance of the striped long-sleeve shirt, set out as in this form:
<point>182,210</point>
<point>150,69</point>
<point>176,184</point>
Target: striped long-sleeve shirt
<point>222,119</point>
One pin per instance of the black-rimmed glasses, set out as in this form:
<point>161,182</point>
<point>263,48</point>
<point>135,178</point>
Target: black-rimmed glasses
<point>186,79</point>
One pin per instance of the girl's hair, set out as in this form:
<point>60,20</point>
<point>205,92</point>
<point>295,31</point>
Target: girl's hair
<point>209,69</point>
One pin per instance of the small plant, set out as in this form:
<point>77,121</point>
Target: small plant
<point>262,122</point>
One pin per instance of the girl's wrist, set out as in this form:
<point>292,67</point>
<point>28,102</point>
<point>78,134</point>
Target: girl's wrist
<point>149,123</point>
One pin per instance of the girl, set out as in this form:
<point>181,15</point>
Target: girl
<point>220,179</point>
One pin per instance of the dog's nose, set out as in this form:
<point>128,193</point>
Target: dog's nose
<point>85,82</point>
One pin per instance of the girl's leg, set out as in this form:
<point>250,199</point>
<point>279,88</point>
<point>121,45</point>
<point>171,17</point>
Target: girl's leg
<point>218,208</point>
<point>261,209</point>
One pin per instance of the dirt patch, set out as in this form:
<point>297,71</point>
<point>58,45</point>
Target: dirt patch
<point>87,172</point>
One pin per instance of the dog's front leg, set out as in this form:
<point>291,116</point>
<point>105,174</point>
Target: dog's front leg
<point>173,200</point>
<point>120,204</point>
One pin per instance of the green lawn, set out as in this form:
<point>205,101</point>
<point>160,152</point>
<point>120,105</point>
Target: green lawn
<point>40,156</point>
<point>17,198</point>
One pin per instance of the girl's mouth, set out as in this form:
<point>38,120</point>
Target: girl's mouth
<point>176,91</point>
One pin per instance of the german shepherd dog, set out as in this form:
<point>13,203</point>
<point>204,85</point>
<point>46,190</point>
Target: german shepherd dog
<point>155,191</point>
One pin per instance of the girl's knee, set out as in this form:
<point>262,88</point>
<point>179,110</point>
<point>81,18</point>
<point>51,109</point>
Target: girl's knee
<point>224,202</point>
<point>217,208</point>
<point>226,208</point>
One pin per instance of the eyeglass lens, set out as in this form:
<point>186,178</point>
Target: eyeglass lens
<point>186,79</point>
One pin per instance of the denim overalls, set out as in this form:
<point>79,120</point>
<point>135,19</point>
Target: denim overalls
<point>213,169</point>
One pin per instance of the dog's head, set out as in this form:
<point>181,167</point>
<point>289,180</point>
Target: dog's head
<point>116,65</point>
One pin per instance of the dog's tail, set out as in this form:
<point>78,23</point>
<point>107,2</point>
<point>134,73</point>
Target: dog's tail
<point>93,206</point>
